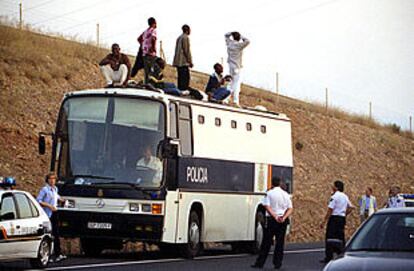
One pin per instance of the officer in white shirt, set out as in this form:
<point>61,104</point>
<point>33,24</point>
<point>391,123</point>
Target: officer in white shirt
<point>338,208</point>
<point>395,200</point>
<point>279,207</point>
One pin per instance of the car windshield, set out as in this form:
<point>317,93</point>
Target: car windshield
<point>110,140</point>
<point>385,232</point>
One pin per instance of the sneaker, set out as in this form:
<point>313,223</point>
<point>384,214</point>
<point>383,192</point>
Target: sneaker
<point>59,258</point>
<point>185,93</point>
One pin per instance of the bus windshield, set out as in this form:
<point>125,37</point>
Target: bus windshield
<point>110,140</point>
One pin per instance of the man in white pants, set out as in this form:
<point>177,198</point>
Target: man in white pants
<point>235,45</point>
<point>116,68</point>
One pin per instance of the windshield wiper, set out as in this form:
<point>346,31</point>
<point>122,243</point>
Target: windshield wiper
<point>135,186</point>
<point>93,177</point>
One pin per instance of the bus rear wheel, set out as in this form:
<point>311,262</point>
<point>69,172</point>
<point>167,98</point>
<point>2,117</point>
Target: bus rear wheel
<point>258,233</point>
<point>193,246</point>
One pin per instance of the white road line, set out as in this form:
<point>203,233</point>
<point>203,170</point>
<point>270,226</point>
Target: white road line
<point>299,251</point>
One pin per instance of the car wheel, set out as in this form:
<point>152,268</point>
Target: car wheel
<point>193,246</point>
<point>43,254</point>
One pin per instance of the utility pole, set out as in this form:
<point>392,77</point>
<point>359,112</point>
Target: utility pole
<point>411,124</point>
<point>21,15</point>
<point>326,100</point>
<point>97,35</point>
<point>162,54</point>
<point>370,110</point>
<point>222,61</point>
<point>277,88</point>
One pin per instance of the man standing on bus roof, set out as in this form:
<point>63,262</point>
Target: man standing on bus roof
<point>148,41</point>
<point>183,60</point>
<point>48,198</point>
<point>338,208</point>
<point>116,67</point>
<point>235,46</point>
<point>279,207</point>
<point>152,162</point>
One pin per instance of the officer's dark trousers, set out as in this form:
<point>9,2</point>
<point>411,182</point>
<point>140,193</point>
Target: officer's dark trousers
<point>183,77</point>
<point>335,233</point>
<point>272,228</point>
<point>55,232</point>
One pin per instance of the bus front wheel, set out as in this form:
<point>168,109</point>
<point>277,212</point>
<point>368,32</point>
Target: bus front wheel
<point>193,246</point>
<point>258,233</point>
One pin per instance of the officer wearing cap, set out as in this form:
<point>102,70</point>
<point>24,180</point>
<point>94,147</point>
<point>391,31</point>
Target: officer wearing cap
<point>338,208</point>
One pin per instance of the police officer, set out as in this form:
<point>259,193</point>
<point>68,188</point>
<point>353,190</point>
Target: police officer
<point>48,198</point>
<point>338,208</point>
<point>279,207</point>
<point>395,200</point>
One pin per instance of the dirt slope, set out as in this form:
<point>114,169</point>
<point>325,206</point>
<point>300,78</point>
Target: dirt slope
<point>35,72</point>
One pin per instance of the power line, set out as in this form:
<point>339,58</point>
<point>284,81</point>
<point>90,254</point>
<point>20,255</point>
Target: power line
<point>39,5</point>
<point>68,13</point>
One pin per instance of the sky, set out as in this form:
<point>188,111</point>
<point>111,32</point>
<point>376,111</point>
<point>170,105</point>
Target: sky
<point>361,50</point>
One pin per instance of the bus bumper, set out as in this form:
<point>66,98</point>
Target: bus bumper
<point>132,227</point>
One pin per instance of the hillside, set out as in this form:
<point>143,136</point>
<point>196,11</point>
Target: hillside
<point>36,71</point>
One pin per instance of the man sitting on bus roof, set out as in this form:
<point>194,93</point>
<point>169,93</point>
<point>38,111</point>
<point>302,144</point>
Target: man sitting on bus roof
<point>151,162</point>
<point>216,86</point>
<point>156,79</point>
<point>116,68</point>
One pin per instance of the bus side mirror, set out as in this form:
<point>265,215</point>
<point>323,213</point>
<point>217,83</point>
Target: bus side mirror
<point>42,144</point>
<point>168,148</point>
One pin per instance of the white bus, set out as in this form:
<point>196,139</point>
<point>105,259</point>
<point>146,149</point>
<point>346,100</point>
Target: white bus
<point>140,165</point>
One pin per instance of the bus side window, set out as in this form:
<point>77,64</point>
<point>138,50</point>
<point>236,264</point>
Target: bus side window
<point>185,130</point>
<point>173,120</point>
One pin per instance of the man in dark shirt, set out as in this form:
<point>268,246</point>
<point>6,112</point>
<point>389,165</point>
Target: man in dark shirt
<point>116,68</point>
<point>216,85</point>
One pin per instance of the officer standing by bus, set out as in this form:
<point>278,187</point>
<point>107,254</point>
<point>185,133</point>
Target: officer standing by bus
<point>338,208</point>
<point>279,207</point>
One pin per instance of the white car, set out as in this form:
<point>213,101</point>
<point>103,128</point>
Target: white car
<point>25,229</point>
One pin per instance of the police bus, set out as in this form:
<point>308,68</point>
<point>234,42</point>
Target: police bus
<point>140,165</point>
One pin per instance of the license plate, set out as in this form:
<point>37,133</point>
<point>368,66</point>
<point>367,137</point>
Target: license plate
<point>103,226</point>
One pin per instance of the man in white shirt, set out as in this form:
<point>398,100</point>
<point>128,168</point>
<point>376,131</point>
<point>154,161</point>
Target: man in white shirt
<point>338,208</point>
<point>395,200</point>
<point>235,46</point>
<point>153,163</point>
<point>278,207</point>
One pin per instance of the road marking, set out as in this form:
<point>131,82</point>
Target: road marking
<point>200,258</point>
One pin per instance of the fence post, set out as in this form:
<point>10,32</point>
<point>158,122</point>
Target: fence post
<point>21,16</point>
<point>411,122</point>
<point>370,110</point>
<point>162,54</point>
<point>277,89</point>
<point>326,100</point>
<point>97,35</point>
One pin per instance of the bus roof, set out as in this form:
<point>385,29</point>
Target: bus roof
<point>159,94</point>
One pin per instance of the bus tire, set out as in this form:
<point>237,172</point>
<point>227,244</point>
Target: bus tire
<point>258,233</point>
<point>91,247</point>
<point>193,246</point>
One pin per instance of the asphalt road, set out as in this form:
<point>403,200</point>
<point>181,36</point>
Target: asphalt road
<point>297,257</point>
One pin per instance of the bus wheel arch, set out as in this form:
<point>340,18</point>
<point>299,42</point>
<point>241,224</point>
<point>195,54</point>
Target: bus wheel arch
<point>260,217</point>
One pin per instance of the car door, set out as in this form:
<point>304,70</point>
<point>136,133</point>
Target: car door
<point>29,226</point>
<point>9,248</point>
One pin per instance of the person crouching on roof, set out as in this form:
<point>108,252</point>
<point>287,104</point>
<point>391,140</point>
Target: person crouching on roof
<point>116,68</point>
<point>156,79</point>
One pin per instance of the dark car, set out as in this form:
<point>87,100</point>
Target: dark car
<point>384,242</point>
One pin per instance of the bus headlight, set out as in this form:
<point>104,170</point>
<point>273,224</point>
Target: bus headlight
<point>134,207</point>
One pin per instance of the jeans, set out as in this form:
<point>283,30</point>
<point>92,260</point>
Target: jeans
<point>170,88</point>
<point>221,94</point>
